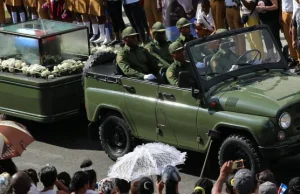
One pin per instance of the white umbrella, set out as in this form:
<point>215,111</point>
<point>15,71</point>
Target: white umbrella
<point>146,160</point>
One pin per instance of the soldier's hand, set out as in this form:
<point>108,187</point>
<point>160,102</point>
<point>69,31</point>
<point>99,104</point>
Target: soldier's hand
<point>149,77</point>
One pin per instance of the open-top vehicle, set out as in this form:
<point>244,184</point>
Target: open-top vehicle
<point>244,91</point>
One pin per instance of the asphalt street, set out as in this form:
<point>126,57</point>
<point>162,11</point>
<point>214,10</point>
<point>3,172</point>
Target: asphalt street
<point>65,145</point>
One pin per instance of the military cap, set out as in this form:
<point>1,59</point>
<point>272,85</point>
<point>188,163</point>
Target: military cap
<point>158,27</point>
<point>182,22</point>
<point>175,46</point>
<point>129,31</point>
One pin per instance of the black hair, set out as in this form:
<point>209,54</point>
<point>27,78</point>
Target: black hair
<point>79,180</point>
<point>65,178</point>
<point>206,184</point>
<point>265,176</point>
<point>122,185</point>
<point>294,186</point>
<point>92,173</point>
<point>8,166</point>
<point>171,186</point>
<point>146,186</point>
<point>33,175</point>
<point>48,175</point>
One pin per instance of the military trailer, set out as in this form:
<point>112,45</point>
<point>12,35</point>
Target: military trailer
<point>41,64</point>
<point>251,103</point>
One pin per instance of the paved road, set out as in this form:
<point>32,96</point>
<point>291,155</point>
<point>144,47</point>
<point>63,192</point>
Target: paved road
<point>66,145</point>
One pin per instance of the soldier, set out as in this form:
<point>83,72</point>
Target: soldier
<point>16,7</point>
<point>32,5</point>
<point>179,64</point>
<point>135,61</point>
<point>223,60</point>
<point>184,27</point>
<point>159,47</point>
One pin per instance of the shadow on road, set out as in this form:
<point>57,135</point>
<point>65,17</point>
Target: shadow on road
<point>72,134</point>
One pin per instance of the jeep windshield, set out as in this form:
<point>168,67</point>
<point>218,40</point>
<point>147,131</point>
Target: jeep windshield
<point>233,53</point>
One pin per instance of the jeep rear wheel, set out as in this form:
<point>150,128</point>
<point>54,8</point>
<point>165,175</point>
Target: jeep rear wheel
<point>115,137</point>
<point>236,147</point>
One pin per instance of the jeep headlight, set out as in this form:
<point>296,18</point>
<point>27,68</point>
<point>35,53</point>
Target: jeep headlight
<point>285,120</point>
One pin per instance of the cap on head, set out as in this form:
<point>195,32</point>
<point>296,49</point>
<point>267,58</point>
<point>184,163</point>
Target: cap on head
<point>158,27</point>
<point>170,173</point>
<point>129,31</point>
<point>182,22</point>
<point>146,185</point>
<point>175,46</point>
<point>267,188</point>
<point>244,181</point>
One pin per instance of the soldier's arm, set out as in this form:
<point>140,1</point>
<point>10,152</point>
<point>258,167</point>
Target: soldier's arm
<point>124,65</point>
<point>171,77</point>
<point>155,64</point>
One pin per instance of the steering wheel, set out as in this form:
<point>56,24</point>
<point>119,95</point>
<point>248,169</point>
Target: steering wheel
<point>255,51</point>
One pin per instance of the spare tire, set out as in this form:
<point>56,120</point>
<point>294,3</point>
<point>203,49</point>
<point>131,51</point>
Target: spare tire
<point>98,59</point>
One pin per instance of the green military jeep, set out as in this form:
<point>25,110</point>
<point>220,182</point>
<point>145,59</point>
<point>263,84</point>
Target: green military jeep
<point>253,102</point>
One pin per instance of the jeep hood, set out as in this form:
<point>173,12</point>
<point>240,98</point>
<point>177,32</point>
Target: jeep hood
<point>263,95</point>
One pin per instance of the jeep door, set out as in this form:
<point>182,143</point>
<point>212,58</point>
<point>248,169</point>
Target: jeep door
<point>176,114</point>
<point>140,99</point>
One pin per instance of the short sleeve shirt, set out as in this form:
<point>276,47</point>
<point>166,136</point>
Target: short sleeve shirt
<point>247,11</point>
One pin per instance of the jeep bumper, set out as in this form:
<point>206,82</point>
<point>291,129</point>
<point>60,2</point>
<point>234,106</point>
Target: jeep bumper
<point>279,151</point>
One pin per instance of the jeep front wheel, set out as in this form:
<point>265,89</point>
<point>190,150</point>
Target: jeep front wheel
<point>236,147</point>
<point>115,137</point>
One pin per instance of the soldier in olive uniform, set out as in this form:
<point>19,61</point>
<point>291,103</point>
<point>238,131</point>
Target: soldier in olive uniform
<point>179,64</point>
<point>136,61</point>
<point>224,58</point>
<point>159,47</point>
<point>184,27</point>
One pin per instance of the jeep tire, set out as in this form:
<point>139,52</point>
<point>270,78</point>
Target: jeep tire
<point>115,137</point>
<point>236,147</point>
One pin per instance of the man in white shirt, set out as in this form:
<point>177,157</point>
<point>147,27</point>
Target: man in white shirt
<point>286,19</point>
<point>205,24</point>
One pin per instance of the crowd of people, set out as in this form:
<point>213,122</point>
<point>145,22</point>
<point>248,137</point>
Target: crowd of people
<point>85,181</point>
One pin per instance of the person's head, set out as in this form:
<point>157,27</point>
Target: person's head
<point>134,189</point>
<point>33,175</point>
<point>129,36</point>
<point>122,185</point>
<point>205,6</point>
<point>265,176</point>
<point>203,186</point>
<point>159,32</point>
<point>20,183</point>
<point>106,186</point>
<point>170,176</point>
<point>5,183</point>
<point>243,182</point>
<point>79,182</point>
<point>229,184</point>
<point>267,188</point>
<point>48,175</point>
<point>294,186</point>
<point>184,26</point>
<point>146,186</point>
<point>86,166</point>
<point>177,51</point>
<point>64,178</point>
<point>8,166</point>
